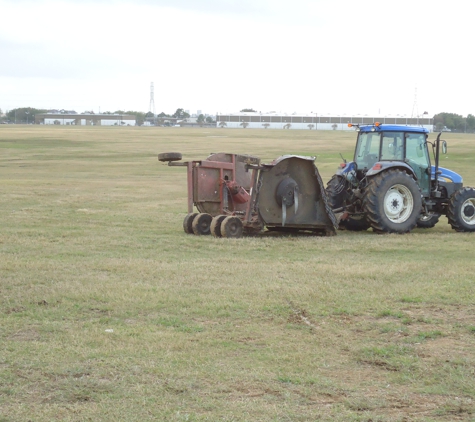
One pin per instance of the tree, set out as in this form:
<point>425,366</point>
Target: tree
<point>180,114</point>
<point>210,120</point>
<point>334,126</point>
<point>200,120</point>
<point>310,126</point>
<point>287,126</point>
<point>223,124</point>
<point>248,110</point>
<point>24,114</point>
<point>470,121</point>
<point>450,121</point>
<point>139,115</point>
<point>244,124</point>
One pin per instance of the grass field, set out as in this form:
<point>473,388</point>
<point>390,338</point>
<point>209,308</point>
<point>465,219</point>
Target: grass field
<point>109,311</point>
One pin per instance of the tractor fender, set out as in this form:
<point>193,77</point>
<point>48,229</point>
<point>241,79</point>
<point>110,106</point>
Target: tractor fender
<point>385,165</point>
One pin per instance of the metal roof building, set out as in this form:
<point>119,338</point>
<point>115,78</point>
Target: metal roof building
<point>85,119</point>
<point>313,121</point>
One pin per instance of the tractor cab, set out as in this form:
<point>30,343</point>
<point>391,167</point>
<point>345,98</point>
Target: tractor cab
<point>379,147</point>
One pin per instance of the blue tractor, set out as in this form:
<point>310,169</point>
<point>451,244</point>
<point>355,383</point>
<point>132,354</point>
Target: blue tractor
<point>392,187</point>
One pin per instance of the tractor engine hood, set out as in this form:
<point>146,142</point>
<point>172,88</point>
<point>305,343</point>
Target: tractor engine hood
<point>446,175</point>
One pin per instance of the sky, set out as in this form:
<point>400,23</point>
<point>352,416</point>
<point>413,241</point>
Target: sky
<point>220,56</point>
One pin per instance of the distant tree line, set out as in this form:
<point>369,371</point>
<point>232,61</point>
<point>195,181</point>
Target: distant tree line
<point>25,115</point>
<point>442,121</point>
<point>22,115</point>
<point>454,122</point>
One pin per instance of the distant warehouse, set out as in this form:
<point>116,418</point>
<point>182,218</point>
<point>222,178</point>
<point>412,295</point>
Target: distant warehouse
<point>312,122</point>
<point>85,119</point>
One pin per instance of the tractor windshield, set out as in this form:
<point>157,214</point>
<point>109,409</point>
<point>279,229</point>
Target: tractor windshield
<point>378,146</point>
<point>367,149</point>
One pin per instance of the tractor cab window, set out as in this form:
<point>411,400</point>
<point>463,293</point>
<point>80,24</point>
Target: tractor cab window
<point>392,147</point>
<point>418,158</point>
<point>416,150</point>
<point>367,149</point>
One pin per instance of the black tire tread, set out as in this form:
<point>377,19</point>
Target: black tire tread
<point>216,225</point>
<point>226,227</point>
<point>170,156</point>
<point>371,203</point>
<point>337,194</point>
<point>456,200</point>
<point>188,223</point>
<point>202,219</point>
<point>428,224</point>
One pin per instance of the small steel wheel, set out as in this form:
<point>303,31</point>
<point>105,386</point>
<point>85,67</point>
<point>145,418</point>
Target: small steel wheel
<point>169,156</point>
<point>188,222</point>
<point>202,224</point>
<point>232,227</point>
<point>216,225</point>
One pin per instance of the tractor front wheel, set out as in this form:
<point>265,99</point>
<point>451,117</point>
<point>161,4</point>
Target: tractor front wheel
<point>461,210</point>
<point>392,202</point>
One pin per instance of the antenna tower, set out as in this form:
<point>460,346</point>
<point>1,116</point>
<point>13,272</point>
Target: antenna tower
<point>414,106</point>
<point>152,100</point>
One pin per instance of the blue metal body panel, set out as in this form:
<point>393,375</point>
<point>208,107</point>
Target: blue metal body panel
<point>351,166</point>
<point>446,174</point>
<point>348,172</point>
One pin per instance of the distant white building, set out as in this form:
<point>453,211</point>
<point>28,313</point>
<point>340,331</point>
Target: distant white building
<point>85,119</point>
<point>312,121</point>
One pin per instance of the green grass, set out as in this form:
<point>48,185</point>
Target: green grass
<point>110,312</point>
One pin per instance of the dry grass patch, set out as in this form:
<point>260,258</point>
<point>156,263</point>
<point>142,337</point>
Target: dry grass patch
<point>110,312</point>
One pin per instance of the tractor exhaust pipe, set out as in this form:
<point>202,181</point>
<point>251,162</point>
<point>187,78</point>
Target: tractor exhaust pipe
<point>437,154</point>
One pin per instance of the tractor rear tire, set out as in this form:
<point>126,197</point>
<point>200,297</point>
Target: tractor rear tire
<point>216,225</point>
<point>337,196</point>
<point>392,202</point>
<point>188,223</point>
<point>461,210</point>
<point>202,224</point>
<point>427,221</point>
<point>169,156</point>
<point>232,227</point>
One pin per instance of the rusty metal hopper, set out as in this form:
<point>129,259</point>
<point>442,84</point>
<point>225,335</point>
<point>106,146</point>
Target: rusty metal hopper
<point>291,196</point>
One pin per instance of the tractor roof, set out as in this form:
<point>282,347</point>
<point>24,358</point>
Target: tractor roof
<point>393,128</point>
